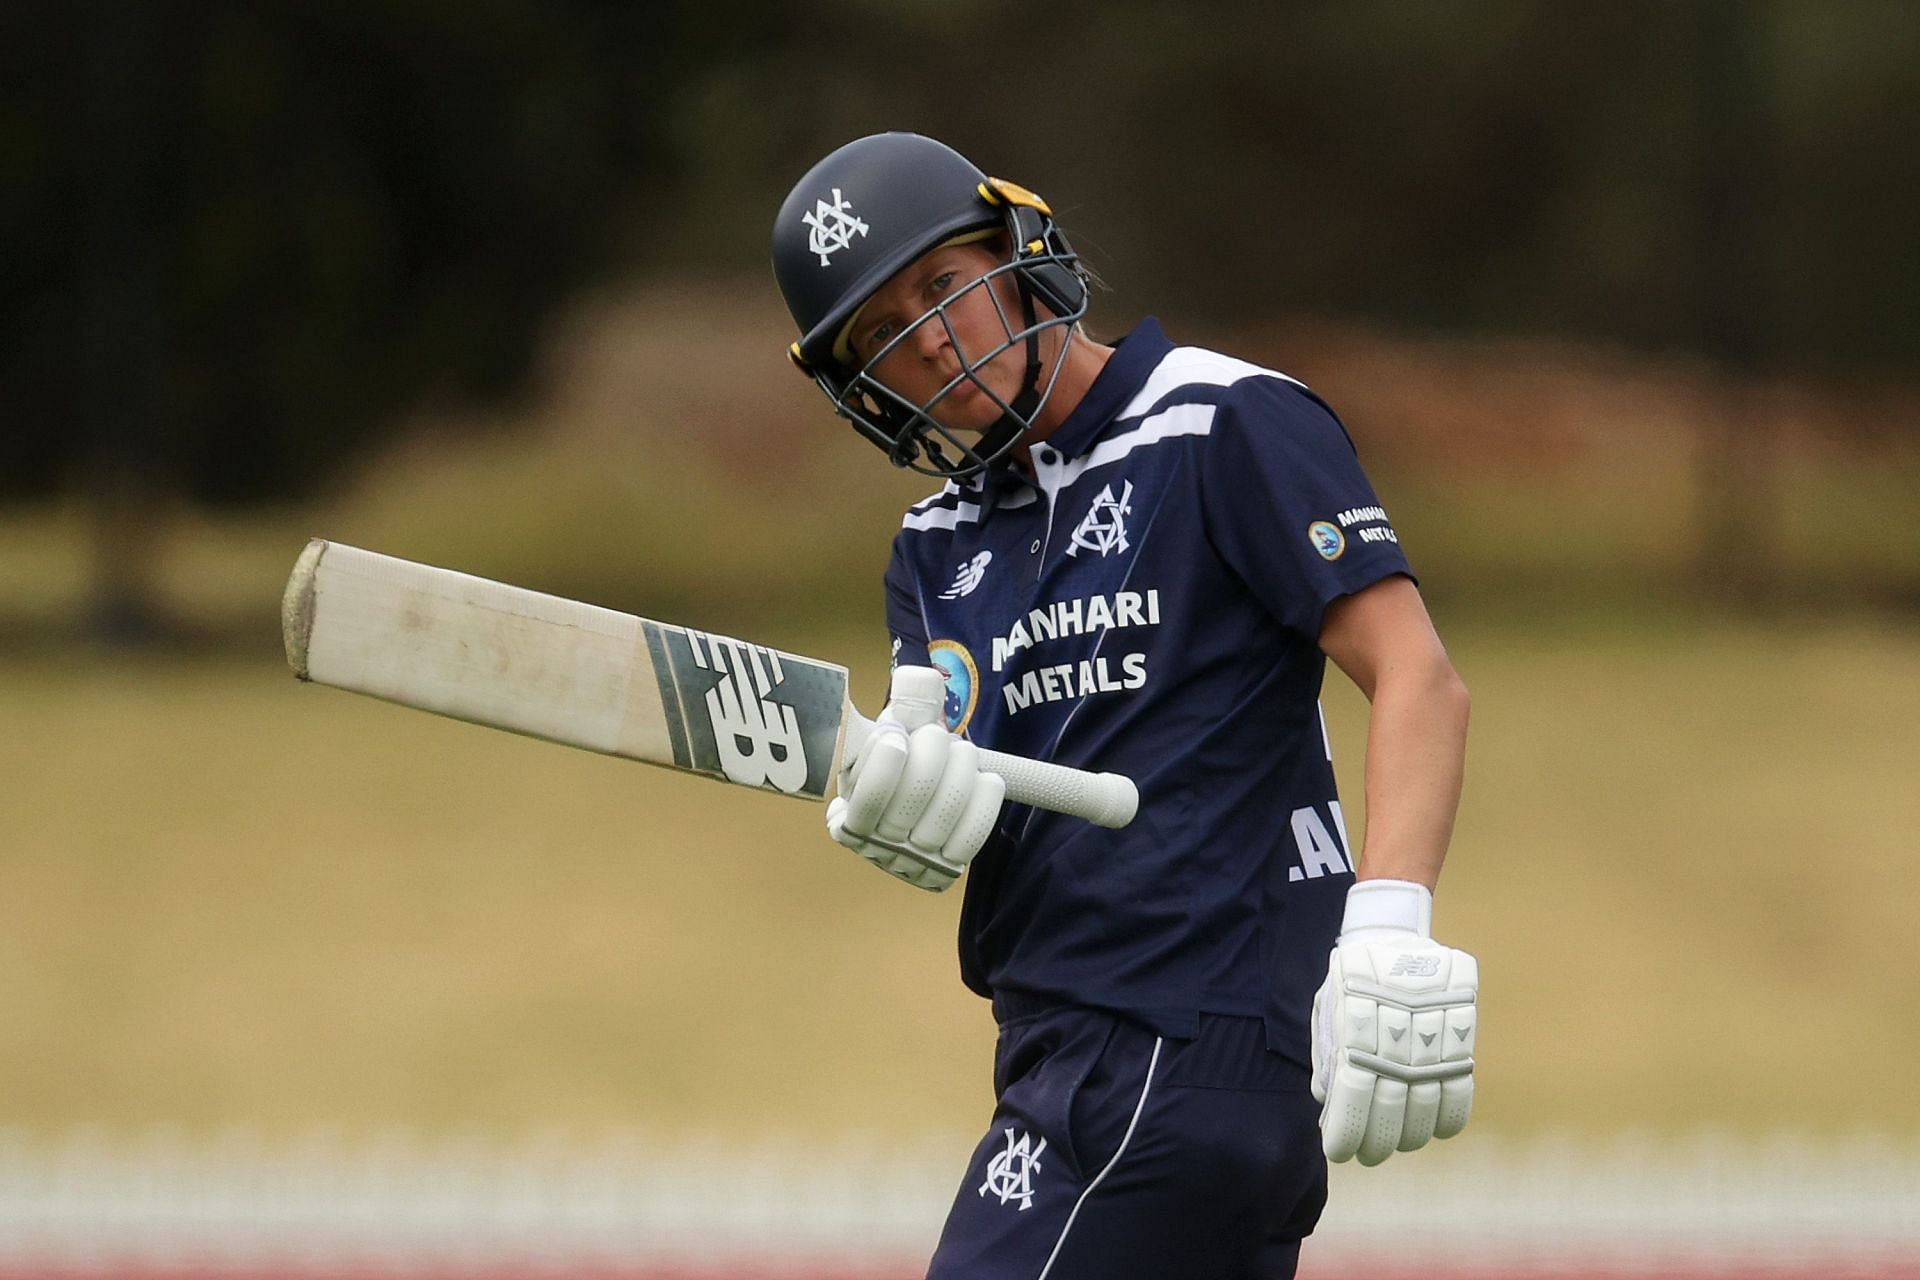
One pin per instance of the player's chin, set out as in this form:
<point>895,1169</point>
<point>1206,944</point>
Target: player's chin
<point>967,409</point>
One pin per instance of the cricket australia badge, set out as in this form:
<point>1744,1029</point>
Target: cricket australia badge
<point>963,681</point>
<point>1010,1172</point>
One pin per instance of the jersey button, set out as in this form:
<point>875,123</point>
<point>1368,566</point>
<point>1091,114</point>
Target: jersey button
<point>1034,550</point>
<point>1044,456</point>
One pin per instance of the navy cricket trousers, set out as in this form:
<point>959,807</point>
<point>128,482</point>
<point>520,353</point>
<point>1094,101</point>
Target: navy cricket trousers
<point>1116,1153</point>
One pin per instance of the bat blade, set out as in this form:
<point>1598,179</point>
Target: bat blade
<point>562,670</point>
<point>606,681</point>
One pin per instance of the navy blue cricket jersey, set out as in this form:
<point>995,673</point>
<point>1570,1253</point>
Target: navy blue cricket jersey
<point>1150,603</point>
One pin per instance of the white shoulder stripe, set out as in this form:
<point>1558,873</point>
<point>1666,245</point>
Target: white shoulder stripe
<point>1194,366</point>
<point>922,515</point>
<point>942,517</point>
<point>1181,420</point>
<point>945,490</point>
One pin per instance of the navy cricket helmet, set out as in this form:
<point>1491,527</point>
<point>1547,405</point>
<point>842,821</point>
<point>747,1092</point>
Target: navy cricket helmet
<point>868,210</point>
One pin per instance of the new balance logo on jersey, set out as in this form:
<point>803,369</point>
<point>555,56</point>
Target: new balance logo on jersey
<point>1105,527</point>
<point>1414,967</point>
<point>1010,1172</point>
<point>968,577</point>
<point>757,739</point>
<point>833,227</point>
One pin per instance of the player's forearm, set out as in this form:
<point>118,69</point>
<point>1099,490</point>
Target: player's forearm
<point>1416,760</point>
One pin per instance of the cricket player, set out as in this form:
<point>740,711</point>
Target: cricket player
<point>1139,560</point>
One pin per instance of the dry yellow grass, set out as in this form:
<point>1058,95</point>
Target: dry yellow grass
<point>225,898</point>
<point>1686,856</point>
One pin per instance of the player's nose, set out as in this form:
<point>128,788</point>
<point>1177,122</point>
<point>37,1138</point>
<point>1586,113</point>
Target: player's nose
<point>931,338</point>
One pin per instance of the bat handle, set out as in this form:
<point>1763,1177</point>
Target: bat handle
<point>917,697</point>
<point>1104,799</point>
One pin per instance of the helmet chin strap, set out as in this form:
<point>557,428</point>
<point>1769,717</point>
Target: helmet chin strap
<point>1013,424</point>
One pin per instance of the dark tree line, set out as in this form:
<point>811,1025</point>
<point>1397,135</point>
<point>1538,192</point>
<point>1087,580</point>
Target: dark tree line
<point>244,236</point>
<point>242,239</point>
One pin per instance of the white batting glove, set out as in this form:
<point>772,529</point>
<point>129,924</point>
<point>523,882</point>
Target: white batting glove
<point>1393,1028</point>
<point>914,802</point>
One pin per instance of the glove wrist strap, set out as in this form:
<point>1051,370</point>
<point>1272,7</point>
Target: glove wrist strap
<point>1388,906</point>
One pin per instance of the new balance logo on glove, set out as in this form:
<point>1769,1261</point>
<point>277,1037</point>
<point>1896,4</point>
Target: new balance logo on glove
<point>1414,967</point>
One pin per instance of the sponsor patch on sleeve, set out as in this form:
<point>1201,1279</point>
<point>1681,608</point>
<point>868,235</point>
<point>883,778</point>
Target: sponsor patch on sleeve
<point>1367,524</point>
<point>1327,539</point>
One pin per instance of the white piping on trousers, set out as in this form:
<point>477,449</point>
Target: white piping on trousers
<point>1098,1178</point>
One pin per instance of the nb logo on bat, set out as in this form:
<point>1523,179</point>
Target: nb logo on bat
<point>757,738</point>
<point>1414,967</point>
<point>747,713</point>
<point>1010,1172</point>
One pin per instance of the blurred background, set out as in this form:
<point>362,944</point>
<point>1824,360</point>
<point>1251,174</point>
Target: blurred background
<point>1619,302</point>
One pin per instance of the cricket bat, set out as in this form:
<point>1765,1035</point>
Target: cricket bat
<point>588,677</point>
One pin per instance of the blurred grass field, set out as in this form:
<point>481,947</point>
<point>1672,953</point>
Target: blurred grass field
<point>1685,861</point>
<point>1686,855</point>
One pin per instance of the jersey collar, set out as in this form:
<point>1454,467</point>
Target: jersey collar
<point>1135,356</point>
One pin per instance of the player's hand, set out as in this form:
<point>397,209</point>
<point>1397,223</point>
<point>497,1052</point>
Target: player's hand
<point>916,803</point>
<point>1393,1028</point>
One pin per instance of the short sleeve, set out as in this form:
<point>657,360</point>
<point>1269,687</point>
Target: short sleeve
<point>905,623</point>
<point>1287,506</point>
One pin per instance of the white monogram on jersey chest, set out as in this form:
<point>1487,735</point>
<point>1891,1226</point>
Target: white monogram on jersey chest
<point>1065,612</point>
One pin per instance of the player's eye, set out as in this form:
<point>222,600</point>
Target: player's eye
<point>879,336</point>
<point>942,281</point>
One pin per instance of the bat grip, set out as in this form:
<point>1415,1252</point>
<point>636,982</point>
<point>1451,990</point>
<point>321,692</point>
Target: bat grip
<point>1104,799</point>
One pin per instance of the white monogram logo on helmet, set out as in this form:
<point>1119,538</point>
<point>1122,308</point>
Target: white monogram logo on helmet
<point>834,227</point>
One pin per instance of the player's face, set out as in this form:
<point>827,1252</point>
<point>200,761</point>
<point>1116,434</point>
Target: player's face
<point>930,355</point>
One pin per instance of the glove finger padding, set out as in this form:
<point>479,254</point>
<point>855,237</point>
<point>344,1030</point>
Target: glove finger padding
<point>949,804</point>
<point>1462,1026</point>
<point>868,784</point>
<point>1456,1105</point>
<point>1343,1121</point>
<point>978,820</point>
<point>1393,1045</point>
<point>927,870</point>
<point>1423,1098</point>
<point>920,775</point>
<point>932,878</point>
<point>837,822</point>
<point>1320,1050</point>
<point>1423,1110</point>
<point>1385,1118</point>
<point>1456,1096</point>
<point>926,805</point>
